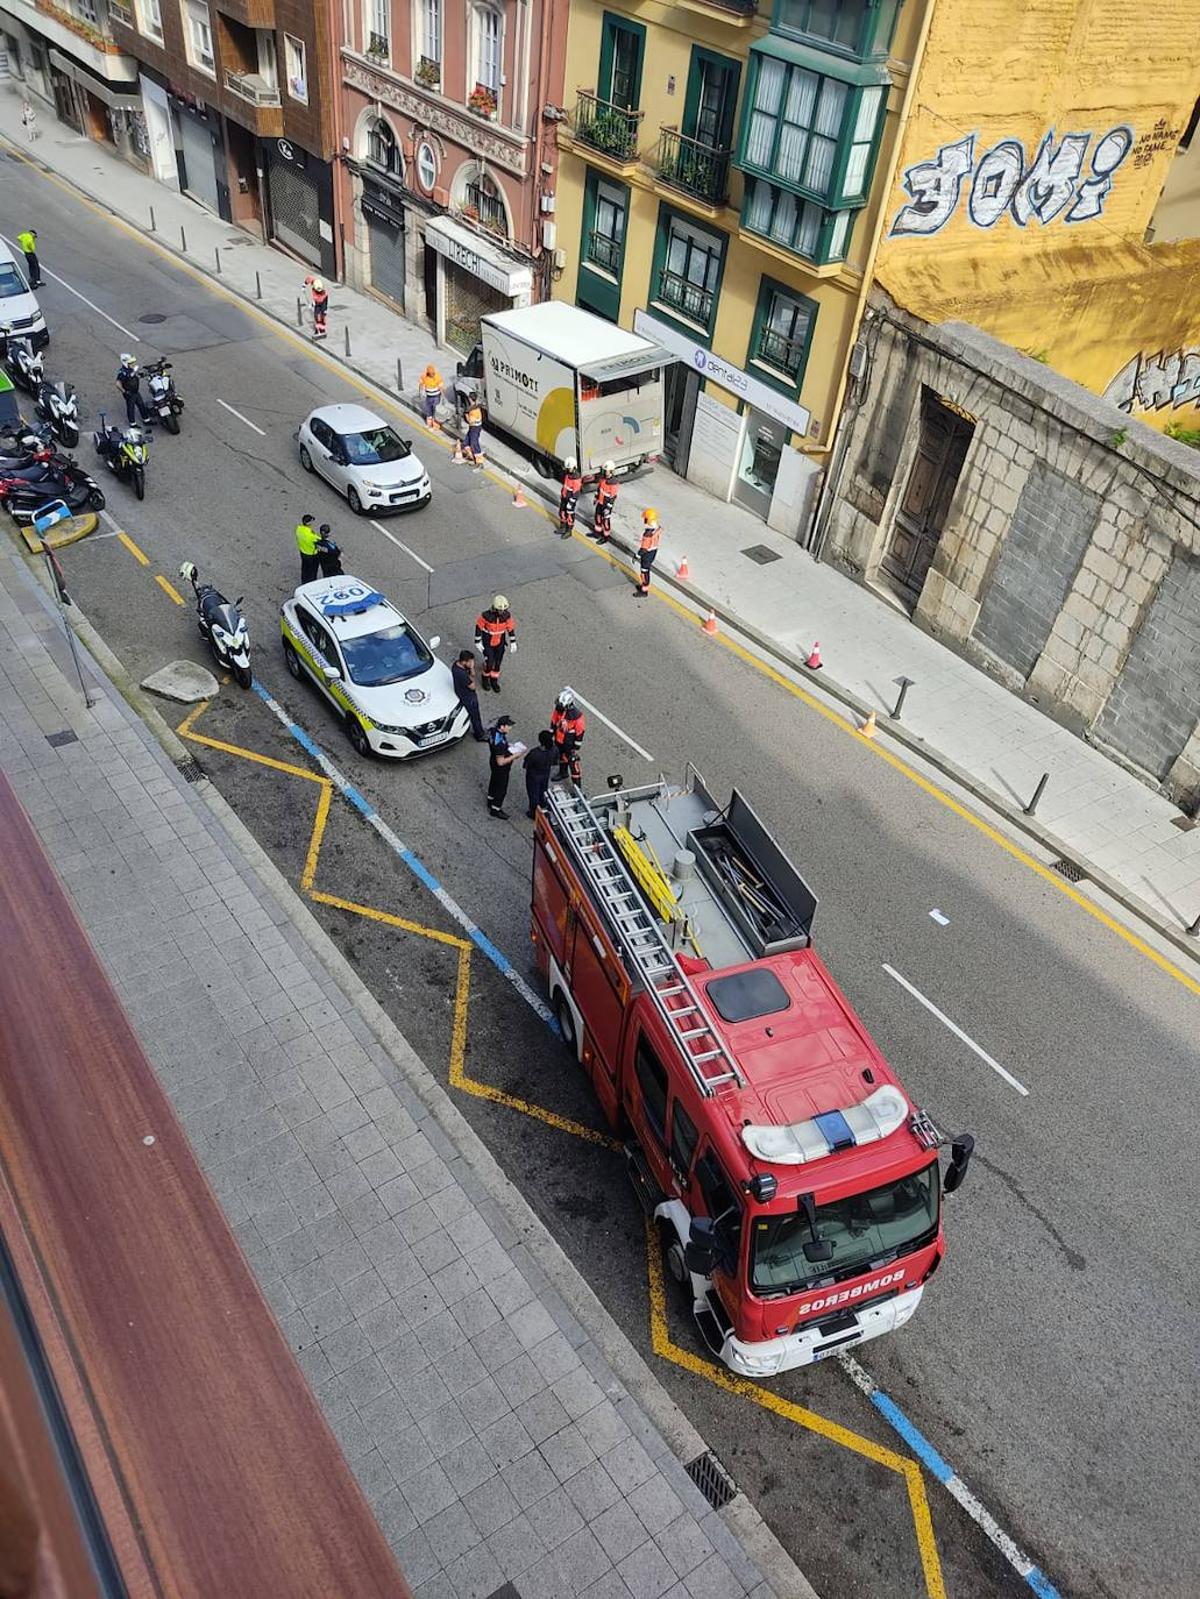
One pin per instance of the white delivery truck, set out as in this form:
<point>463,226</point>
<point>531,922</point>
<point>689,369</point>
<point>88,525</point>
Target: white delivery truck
<point>568,385</point>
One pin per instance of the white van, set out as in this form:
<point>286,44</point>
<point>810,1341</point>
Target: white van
<point>19,308</point>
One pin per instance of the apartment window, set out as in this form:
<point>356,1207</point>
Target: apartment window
<point>622,51</point>
<point>687,275</point>
<point>149,19</point>
<point>489,42</point>
<point>604,238</point>
<point>85,10</point>
<point>382,149</point>
<point>782,334</point>
<point>198,33</point>
<point>378,29</point>
<point>802,226</point>
<point>856,27</point>
<point>483,203</point>
<point>809,132</point>
<point>297,68</point>
<point>431,41</point>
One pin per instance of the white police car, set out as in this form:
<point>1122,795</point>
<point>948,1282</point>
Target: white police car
<point>394,695</point>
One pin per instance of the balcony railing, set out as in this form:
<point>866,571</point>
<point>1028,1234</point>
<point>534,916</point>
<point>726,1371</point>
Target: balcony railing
<point>607,127</point>
<point>778,351</point>
<point>429,73</point>
<point>693,166</point>
<point>604,252</point>
<point>378,47</point>
<point>250,86</point>
<point>487,209</point>
<point>690,299</point>
<point>118,11</point>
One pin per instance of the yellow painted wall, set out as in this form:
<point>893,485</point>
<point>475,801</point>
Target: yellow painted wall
<point>1051,256</point>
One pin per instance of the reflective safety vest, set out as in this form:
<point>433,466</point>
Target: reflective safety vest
<point>475,417</point>
<point>606,491</point>
<point>571,485</point>
<point>651,539</point>
<point>431,385</point>
<point>567,730</point>
<point>494,628</point>
<point>308,540</point>
<point>26,242</point>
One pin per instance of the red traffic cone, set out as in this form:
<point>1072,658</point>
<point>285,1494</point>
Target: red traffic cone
<point>519,499</point>
<point>814,657</point>
<point>681,571</point>
<point>709,624</point>
<point>868,728</point>
<point>458,452</point>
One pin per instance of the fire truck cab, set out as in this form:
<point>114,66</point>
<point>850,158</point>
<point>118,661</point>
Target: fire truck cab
<point>798,1188</point>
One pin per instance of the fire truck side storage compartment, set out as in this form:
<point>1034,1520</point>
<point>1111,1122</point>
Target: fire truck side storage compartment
<point>756,883</point>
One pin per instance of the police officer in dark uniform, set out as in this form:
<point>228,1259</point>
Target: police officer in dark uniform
<point>129,381</point>
<point>500,760</point>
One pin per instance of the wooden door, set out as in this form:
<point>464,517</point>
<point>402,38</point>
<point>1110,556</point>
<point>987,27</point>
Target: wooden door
<point>932,480</point>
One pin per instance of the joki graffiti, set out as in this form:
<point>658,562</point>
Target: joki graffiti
<point>1005,180</point>
<point>1165,380</point>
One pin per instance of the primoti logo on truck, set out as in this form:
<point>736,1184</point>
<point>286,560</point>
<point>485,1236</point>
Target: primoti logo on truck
<point>871,1286</point>
<point>512,373</point>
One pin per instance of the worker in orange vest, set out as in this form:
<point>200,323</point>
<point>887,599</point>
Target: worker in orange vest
<point>568,498</point>
<point>567,726</point>
<point>606,498</point>
<point>495,631</point>
<point>431,387</point>
<point>647,550</point>
<point>473,449</point>
<point>320,304</point>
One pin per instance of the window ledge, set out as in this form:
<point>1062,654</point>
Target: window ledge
<point>792,258</point>
<point>601,272</point>
<point>678,316</point>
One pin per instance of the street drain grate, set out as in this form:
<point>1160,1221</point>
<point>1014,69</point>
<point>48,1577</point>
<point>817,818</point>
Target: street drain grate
<point>191,770</point>
<point>713,1481</point>
<point>57,740</point>
<point>1185,824</point>
<point>152,318</point>
<point>1069,870</point>
<point>762,554</point>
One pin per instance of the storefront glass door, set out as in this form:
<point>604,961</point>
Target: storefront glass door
<point>762,448</point>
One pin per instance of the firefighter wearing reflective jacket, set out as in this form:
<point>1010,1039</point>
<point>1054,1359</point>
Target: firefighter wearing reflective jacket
<point>606,498</point>
<point>568,725</point>
<point>495,631</point>
<point>647,550</point>
<point>568,499</point>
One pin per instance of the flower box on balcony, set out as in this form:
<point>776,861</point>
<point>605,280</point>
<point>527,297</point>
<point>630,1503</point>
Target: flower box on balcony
<point>428,73</point>
<point>378,49</point>
<point>482,102</point>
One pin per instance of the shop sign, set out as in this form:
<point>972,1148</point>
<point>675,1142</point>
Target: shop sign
<point>452,245</point>
<point>730,378</point>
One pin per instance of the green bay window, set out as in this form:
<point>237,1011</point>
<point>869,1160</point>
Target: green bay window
<point>861,28</point>
<point>801,226</point>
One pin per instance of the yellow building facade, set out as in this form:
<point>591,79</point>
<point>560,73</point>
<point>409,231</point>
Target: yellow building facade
<point>723,182</point>
<point>1048,190</point>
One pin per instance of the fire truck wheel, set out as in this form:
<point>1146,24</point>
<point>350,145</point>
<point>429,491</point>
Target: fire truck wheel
<point>566,1023</point>
<point>676,1263</point>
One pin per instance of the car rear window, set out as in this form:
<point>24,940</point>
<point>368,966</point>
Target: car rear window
<point>389,656</point>
<point>374,447</point>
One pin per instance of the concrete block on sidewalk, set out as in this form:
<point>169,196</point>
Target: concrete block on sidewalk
<point>182,681</point>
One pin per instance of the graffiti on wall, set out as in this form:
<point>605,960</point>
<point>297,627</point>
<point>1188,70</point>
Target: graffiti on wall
<point>1166,380</point>
<point>1059,178</point>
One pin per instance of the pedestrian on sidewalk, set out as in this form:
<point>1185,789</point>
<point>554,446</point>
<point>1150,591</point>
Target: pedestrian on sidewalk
<point>29,121</point>
<point>606,499</point>
<point>320,304</point>
<point>129,381</point>
<point>431,389</point>
<point>536,767</point>
<point>474,447</point>
<point>27,244</point>
<point>647,550</point>
<point>308,542</point>
<point>568,725</point>
<point>463,673</point>
<point>500,759</point>
<point>568,498</point>
<point>495,631</point>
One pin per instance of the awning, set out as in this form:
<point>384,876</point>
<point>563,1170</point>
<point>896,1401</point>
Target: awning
<point>117,96</point>
<point>861,73</point>
<point>626,366</point>
<point>481,259</point>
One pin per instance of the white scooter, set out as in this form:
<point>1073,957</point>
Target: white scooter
<point>24,364</point>
<point>164,401</point>
<point>222,625</point>
<point>58,404</point>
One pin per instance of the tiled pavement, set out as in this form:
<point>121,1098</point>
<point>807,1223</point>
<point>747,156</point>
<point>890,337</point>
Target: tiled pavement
<point>485,1424</point>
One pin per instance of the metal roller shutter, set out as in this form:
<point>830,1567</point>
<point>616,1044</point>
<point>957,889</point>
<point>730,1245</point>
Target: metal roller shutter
<point>295,208</point>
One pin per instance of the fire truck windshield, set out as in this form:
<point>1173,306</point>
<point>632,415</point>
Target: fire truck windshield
<point>866,1230</point>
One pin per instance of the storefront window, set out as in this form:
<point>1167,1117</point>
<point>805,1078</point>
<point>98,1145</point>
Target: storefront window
<point>762,450</point>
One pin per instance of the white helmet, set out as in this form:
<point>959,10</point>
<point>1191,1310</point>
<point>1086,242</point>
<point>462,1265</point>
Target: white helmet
<point>609,468</point>
<point>500,603</point>
<point>571,464</point>
<point>127,360</point>
<point>566,697</point>
<point>188,572</point>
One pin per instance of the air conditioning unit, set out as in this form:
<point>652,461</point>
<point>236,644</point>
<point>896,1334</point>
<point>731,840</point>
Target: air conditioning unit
<point>549,234</point>
<point>560,260</point>
<point>548,204</point>
<point>441,197</point>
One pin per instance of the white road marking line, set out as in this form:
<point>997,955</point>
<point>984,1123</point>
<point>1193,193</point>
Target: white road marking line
<point>260,431</point>
<point>956,1030</point>
<point>120,327</point>
<point>621,734</point>
<point>939,918</point>
<point>400,544</point>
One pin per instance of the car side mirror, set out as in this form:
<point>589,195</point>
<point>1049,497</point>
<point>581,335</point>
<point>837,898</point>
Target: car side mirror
<point>435,641</point>
<point>331,674</point>
<point>407,443</point>
<point>701,1251</point>
<point>961,1150</point>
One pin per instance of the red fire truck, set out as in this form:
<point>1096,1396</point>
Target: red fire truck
<point>797,1187</point>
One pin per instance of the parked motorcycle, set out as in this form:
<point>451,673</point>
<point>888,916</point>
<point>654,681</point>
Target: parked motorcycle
<point>164,400</point>
<point>24,364</point>
<point>58,404</point>
<point>23,498</point>
<point>222,624</point>
<point>124,452</point>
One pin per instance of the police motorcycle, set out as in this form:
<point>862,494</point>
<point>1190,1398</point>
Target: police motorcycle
<point>164,401</point>
<point>124,452</point>
<point>24,363</point>
<point>58,404</point>
<point>222,624</point>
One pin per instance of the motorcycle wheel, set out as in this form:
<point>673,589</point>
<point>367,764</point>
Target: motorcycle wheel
<point>70,437</point>
<point>139,482</point>
<point>171,422</point>
<point>96,500</point>
<point>244,675</point>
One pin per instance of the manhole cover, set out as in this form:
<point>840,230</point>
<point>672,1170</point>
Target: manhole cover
<point>1069,870</point>
<point>713,1481</point>
<point>153,318</point>
<point>57,740</point>
<point>761,554</point>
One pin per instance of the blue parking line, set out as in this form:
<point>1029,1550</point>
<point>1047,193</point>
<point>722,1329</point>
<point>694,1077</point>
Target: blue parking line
<point>916,1441</point>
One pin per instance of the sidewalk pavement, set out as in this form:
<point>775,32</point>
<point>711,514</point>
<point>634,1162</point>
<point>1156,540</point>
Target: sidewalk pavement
<point>427,1305</point>
<point>987,739</point>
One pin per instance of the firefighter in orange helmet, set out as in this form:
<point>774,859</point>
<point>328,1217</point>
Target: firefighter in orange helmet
<point>495,631</point>
<point>567,725</point>
<point>568,498</point>
<point>647,550</point>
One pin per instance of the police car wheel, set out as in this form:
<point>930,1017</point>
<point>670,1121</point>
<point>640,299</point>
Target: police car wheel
<point>354,732</point>
<point>305,459</point>
<point>292,661</point>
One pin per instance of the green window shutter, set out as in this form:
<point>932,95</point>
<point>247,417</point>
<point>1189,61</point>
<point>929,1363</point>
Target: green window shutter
<point>622,57</point>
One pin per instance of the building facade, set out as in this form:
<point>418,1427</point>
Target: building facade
<point>238,111</point>
<point>1048,191</point>
<point>447,178</point>
<point>723,171</point>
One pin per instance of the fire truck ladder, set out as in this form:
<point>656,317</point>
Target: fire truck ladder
<point>641,938</point>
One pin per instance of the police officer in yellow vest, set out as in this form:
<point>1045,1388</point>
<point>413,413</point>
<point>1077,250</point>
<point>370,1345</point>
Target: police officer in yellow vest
<point>308,542</point>
<point>27,244</point>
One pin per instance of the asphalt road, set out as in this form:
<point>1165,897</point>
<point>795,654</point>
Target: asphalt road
<point>1052,1362</point>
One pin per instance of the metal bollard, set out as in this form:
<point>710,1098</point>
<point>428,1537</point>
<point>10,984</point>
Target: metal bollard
<point>299,312</point>
<point>905,684</point>
<point>217,255</point>
<point>153,225</point>
<point>258,285</point>
<point>346,331</point>
<point>1037,794</point>
<point>182,239</point>
<point>399,376</point>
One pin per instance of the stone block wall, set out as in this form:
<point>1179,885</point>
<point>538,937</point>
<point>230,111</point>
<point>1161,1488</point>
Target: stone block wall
<point>1068,560</point>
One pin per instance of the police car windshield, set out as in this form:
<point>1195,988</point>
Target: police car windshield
<point>864,1229</point>
<point>388,656</point>
<point>11,281</point>
<point>374,447</point>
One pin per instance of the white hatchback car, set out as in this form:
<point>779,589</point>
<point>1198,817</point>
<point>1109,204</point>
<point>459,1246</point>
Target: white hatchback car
<point>394,695</point>
<point>364,458</point>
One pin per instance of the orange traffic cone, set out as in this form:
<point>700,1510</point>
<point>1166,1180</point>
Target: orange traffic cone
<point>710,623</point>
<point>458,453</point>
<point>868,728</point>
<point>814,657</point>
<point>519,499</point>
<point>681,571</point>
